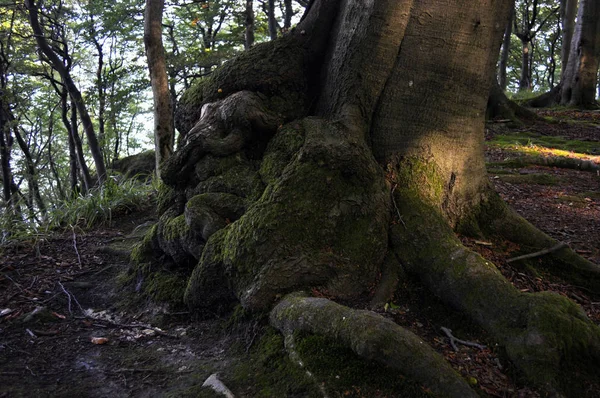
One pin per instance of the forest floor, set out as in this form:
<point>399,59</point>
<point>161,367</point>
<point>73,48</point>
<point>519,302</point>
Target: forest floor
<point>68,329</point>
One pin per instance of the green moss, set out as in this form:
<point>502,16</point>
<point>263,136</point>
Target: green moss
<point>175,228</point>
<point>165,287</point>
<point>535,178</point>
<point>420,178</point>
<point>145,250</point>
<point>343,373</point>
<point>275,69</point>
<point>288,141</point>
<point>532,140</point>
<point>269,372</point>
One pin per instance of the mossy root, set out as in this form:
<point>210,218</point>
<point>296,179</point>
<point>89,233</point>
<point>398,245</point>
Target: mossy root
<point>498,219</point>
<point>543,333</point>
<point>372,337</point>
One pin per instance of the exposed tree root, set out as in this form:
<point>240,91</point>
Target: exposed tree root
<point>500,106</point>
<point>496,218</point>
<point>372,337</point>
<point>541,332</point>
<point>558,161</point>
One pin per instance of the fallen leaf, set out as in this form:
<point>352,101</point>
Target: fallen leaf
<point>99,340</point>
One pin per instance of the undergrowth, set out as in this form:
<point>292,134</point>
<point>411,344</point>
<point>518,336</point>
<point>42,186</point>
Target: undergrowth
<point>100,206</point>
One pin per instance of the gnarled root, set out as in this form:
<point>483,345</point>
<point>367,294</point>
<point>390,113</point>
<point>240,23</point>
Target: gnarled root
<point>373,337</point>
<point>496,218</point>
<point>543,332</point>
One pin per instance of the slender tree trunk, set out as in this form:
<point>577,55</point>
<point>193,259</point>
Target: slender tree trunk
<point>163,108</point>
<point>287,17</point>
<point>74,92</point>
<point>506,50</point>
<point>88,182</point>
<point>53,167</point>
<point>525,80</point>
<point>101,89</point>
<point>7,179</point>
<point>249,25</point>
<point>271,19</point>
<point>32,175</point>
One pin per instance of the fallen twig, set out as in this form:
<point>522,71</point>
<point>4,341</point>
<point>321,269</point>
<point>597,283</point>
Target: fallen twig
<point>454,340</point>
<point>539,253</point>
<point>69,295</point>
<point>75,247</point>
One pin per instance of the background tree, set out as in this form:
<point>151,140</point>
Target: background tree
<point>164,130</point>
<point>74,92</point>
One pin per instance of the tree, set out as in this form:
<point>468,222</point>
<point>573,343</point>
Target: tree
<point>164,130</point>
<point>526,29</point>
<point>74,92</point>
<point>581,72</point>
<point>339,156</point>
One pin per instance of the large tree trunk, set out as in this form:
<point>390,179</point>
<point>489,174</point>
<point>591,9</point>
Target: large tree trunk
<point>164,130</point>
<point>351,147</point>
<point>568,10</point>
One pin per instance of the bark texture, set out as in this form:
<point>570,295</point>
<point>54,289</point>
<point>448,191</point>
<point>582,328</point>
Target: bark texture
<point>311,161</point>
<point>164,130</point>
<point>580,78</point>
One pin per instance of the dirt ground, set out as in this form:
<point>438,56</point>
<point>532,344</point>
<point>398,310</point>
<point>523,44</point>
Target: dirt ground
<point>67,328</point>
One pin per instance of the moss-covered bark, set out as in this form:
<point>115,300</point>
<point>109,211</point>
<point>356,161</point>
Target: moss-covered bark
<point>261,199</point>
<point>542,333</point>
<point>373,337</point>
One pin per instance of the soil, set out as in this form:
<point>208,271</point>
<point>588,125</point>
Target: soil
<point>68,328</point>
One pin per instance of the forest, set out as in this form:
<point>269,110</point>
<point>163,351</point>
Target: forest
<point>300,198</point>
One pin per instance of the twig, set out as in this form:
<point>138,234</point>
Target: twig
<point>396,206</point>
<point>454,340</point>
<point>537,254</point>
<point>75,247</point>
<point>69,295</point>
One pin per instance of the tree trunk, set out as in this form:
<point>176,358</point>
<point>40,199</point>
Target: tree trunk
<point>506,50</point>
<point>526,56</point>
<point>349,149</point>
<point>288,15</point>
<point>580,78</point>
<point>32,175</point>
<point>272,22</point>
<point>164,130</point>
<point>249,25</point>
<point>568,10</point>
<point>76,97</point>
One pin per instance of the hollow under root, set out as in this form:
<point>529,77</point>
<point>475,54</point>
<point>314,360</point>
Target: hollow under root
<point>543,333</point>
<point>372,337</point>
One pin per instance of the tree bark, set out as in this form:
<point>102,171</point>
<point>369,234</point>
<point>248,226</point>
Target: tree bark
<point>568,10</point>
<point>506,50</point>
<point>57,64</point>
<point>352,145</point>
<point>272,22</point>
<point>249,25</point>
<point>164,130</point>
<point>580,78</point>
